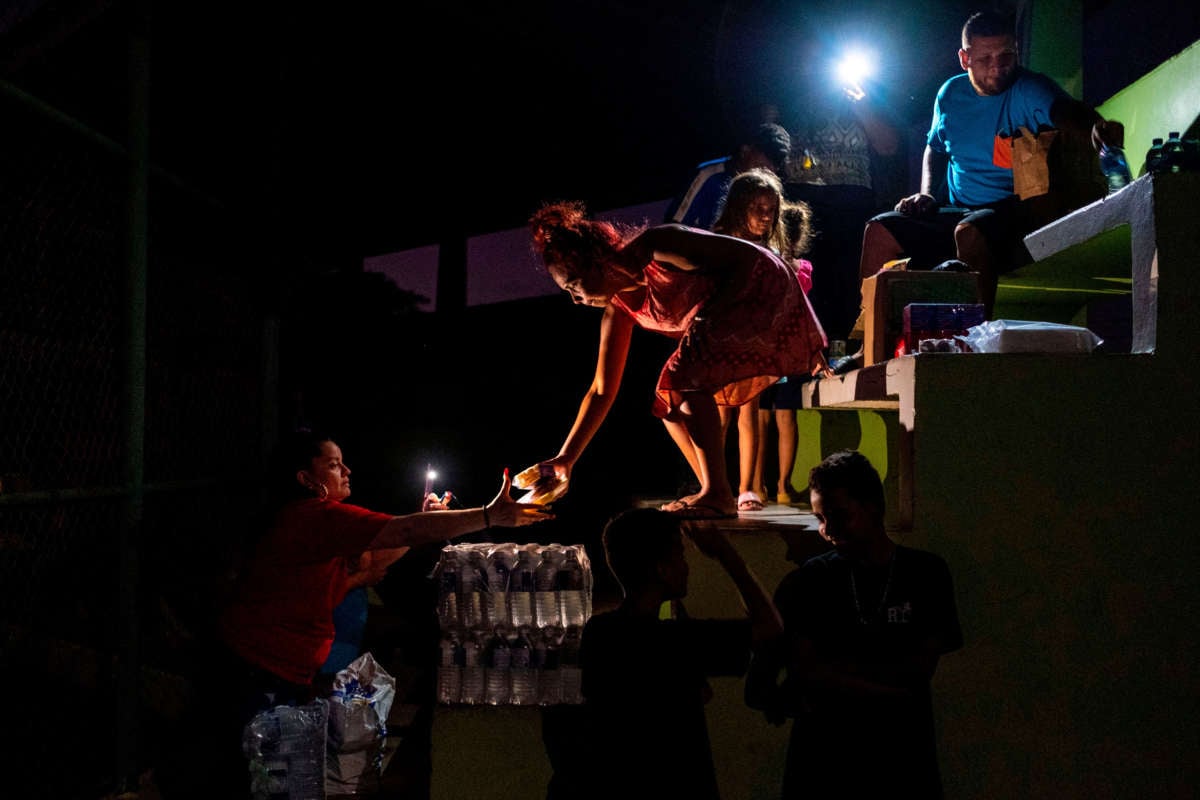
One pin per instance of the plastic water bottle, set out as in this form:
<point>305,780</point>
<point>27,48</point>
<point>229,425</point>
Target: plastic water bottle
<point>499,570</point>
<point>546,663</point>
<point>268,766</point>
<point>522,677</point>
<point>545,594</point>
<point>572,588</point>
<point>521,587</point>
<point>499,663</point>
<point>473,670</point>
<point>472,585</point>
<point>568,667</point>
<point>1172,160</point>
<point>450,668</point>
<point>1154,155</point>
<point>1115,167</point>
<point>447,583</point>
<point>286,750</point>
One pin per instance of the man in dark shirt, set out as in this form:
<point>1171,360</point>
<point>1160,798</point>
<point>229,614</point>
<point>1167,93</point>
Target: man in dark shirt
<point>865,625</point>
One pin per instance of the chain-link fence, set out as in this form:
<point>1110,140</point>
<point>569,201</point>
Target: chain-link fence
<point>111,558</point>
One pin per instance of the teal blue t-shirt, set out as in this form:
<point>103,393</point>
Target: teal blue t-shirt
<point>966,125</point>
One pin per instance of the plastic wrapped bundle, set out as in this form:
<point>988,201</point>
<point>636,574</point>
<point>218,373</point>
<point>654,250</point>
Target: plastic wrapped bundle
<point>543,484</point>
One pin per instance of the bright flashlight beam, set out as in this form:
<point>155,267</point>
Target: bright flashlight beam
<point>854,67</point>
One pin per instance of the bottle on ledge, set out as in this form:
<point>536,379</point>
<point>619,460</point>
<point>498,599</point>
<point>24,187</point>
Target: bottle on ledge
<point>1172,160</point>
<point>1154,155</point>
<point>1115,167</point>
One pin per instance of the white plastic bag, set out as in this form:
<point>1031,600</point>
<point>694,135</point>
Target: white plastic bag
<point>1026,336</point>
<point>358,710</point>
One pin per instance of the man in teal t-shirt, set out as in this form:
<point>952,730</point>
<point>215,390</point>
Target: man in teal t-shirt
<point>969,150</point>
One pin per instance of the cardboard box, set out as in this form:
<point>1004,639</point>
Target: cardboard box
<point>885,294</point>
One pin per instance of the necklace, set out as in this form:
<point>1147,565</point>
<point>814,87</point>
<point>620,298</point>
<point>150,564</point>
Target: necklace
<point>887,585</point>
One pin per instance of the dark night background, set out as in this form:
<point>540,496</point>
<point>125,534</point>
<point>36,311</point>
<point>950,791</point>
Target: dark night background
<point>378,127</point>
<point>289,141</point>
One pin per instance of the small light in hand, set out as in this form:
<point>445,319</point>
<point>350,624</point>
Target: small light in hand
<point>853,68</point>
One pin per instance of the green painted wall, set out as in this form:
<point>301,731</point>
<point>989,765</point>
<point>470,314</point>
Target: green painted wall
<point>1166,99</point>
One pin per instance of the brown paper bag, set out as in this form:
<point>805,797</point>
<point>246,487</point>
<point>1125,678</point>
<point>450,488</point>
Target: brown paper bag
<point>1030,165</point>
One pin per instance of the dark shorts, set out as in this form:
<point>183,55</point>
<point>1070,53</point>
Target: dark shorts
<point>929,240</point>
<point>787,394</point>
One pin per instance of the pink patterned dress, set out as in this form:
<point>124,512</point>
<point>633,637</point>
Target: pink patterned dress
<point>761,329</point>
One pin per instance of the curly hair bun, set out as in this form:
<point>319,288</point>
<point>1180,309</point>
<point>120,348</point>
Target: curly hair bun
<point>555,216</point>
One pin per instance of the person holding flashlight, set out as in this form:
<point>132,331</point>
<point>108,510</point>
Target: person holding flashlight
<point>277,629</point>
<point>847,165</point>
<point>976,116</point>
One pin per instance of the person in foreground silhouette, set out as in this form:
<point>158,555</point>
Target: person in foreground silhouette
<point>645,676</point>
<point>865,625</point>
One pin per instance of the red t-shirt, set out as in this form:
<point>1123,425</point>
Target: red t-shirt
<point>282,616</point>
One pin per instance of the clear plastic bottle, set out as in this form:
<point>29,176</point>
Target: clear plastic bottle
<point>450,668</point>
<point>545,595</point>
<point>473,670</point>
<point>572,589</point>
<point>521,587</point>
<point>498,668</point>
<point>268,767</point>
<point>546,662</point>
<point>472,586</point>
<point>568,666</point>
<point>499,570</point>
<point>447,582</point>
<point>286,750</point>
<point>522,676</point>
<point>1154,155</point>
<point>1172,160</point>
<point>1115,167</point>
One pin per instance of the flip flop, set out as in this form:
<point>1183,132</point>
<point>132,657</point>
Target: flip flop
<point>792,498</point>
<point>700,512</point>
<point>749,501</point>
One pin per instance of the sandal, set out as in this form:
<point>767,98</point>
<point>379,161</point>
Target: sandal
<point>676,505</point>
<point>790,498</point>
<point>701,512</point>
<point>749,501</point>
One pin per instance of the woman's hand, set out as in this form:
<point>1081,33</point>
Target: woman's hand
<point>548,480</point>
<point>435,503</point>
<point>561,467</point>
<point>506,512</point>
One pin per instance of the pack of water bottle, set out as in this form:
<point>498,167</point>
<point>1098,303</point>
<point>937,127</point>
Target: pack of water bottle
<point>1173,154</point>
<point>285,748</point>
<point>511,618</point>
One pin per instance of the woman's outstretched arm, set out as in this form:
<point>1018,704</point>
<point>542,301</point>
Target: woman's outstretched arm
<point>616,330</point>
